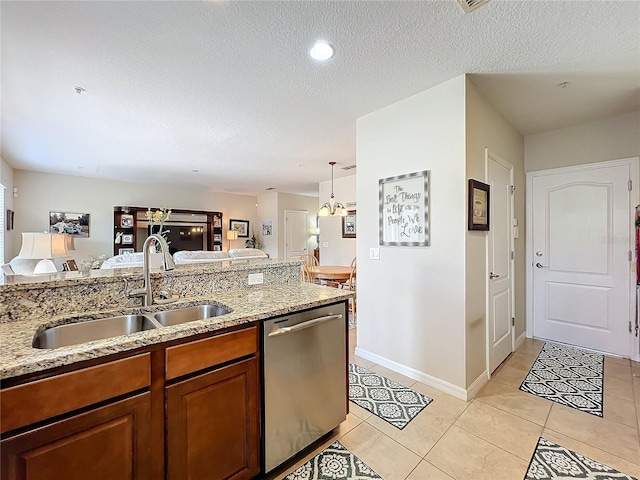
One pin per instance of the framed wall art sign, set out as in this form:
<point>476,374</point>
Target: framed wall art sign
<point>76,224</point>
<point>404,210</point>
<point>478,199</point>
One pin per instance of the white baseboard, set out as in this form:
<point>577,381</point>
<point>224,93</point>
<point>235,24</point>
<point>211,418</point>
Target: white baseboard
<point>520,340</point>
<point>477,385</point>
<point>427,379</point>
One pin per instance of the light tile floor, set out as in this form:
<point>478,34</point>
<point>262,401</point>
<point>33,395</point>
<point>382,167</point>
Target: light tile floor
<point>493,436</point>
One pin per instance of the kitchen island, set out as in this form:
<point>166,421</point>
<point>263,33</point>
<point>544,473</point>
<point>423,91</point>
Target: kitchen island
<point>130,390</point>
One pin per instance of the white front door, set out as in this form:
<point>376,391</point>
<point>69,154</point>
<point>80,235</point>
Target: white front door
<point>581,270</point>
<point>500,271</point>
<point>296,233</point>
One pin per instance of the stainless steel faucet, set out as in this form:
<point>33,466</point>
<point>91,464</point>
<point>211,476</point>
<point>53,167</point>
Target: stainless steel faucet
<point>167,264</point>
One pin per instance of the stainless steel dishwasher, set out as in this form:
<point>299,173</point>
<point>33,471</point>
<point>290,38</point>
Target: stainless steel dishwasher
<point>305,380</point>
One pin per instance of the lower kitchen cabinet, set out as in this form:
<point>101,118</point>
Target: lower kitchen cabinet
<point>105,443</point>
<point>213,424</point>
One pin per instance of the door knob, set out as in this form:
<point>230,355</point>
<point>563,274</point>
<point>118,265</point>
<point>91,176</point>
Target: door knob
<point>493,275</point>
<point>539,265</point>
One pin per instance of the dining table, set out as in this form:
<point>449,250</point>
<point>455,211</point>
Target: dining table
<point>335,274</point>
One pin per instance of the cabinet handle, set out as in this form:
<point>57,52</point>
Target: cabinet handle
<point>303,325</point>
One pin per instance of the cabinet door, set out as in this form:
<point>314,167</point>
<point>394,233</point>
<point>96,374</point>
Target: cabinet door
<point>107,443</point>
<point>212,425</point>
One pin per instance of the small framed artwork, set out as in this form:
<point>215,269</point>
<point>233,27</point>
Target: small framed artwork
<point>267,228</point>
<point>217,248</point>
<point>349,225</point>
<point>240,226</point>
<point>10,215</point>
<point>478,205</point>
<point>123,251</point>
<point>70,266</point>
<point>127,238</point>
<point>76,224</point>
<point>126,220</point>
<point>217,223</point>
<point>217,237</point>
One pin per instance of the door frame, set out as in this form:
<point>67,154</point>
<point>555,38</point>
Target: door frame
<point>488,154</point>
<point>634,199</point>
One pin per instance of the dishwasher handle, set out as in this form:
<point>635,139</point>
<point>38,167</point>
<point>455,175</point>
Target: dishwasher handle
<point>303,325</point>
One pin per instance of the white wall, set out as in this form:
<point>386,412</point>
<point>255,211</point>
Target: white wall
<point>340,251</point>
<point>6,179</point>
<point>411,302</point>
<point>609,138</point>
<point>39,193</point>
<point>486,128</point>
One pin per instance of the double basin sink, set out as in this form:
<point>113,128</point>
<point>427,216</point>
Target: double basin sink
<point>87,331</point>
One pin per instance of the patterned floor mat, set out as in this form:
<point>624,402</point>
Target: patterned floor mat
<point>569,376</point>
<point>385,398</point>
<point>336,463</point>
<point>551,461</point>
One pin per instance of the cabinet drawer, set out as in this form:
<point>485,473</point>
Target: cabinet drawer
<point>32,402</point>
<point>194,356</point>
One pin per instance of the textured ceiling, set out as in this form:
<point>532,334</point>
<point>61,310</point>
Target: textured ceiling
<point>227,88</point>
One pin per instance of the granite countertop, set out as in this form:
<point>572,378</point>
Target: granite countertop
<point>18,357</point>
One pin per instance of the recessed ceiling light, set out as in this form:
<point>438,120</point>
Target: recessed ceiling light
<point>321,51</point>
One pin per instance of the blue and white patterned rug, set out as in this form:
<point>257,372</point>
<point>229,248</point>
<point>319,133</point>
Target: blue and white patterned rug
<point>551,461</point>
<point>333,463</point>
<point>570,376</point>
<point>385,398</point>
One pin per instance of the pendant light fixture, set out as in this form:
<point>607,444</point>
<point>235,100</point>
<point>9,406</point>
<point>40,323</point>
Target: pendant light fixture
<point>332,208</point>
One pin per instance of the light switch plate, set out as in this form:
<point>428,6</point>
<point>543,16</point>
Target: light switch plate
<point>325,244</point>
<point>256,278</point>
<point>374,253</point>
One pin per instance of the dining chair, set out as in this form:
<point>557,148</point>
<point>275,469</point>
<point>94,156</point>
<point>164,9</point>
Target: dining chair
<point>346,285</point>
<point>309,261</point>
<point>352,287</point>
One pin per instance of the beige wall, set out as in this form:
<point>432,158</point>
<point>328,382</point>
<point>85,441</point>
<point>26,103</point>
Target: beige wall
<point>605,139</point>
<point>6,179</point>
<point>411,302</point>
<point>486,128</point>
<point>39,193</point>
<point>340,251</point>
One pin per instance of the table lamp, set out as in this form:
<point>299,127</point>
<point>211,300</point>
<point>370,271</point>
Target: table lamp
<point>231,235</point>
<point>43,246</point>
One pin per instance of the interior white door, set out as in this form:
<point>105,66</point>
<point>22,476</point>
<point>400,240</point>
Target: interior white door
<point>296,233</point>
<point>500,263</point>
<point>581,269</point>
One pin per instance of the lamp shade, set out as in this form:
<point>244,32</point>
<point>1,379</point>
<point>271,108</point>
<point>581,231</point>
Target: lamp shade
<point>43,246</point>
<point>232,235</point>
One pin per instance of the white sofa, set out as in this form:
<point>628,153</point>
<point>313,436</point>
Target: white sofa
<point>187,257</point>
<point>126,260</point>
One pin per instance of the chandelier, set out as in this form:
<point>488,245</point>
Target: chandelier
<point>332,208</point>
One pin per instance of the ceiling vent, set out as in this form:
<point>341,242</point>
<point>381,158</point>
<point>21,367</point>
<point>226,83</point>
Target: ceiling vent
<point>348,167</point>
<point>471,5</point>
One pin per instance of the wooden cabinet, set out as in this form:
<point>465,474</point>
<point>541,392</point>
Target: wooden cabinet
<point>212,424</point>
<point>106,443</point>
<point>213,418</point>
<point>187,229</point>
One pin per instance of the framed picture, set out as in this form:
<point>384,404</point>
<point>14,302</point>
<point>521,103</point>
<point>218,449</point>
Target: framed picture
<point>10,215</point>
<point>404,210</point>
<point>240,226</point>
<point>122,251</point>
<point>217,237</point>
<point>478,200</point>
<point>349,224</point>
<point>127,238</point>
<point>267,227</point>
<point>126,220</point>
<point>217,222</point>
<point>76,224</point>
<point>70,266</point>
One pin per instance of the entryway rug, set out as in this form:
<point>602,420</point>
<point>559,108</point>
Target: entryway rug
<point>336,463</point>
<point>569,376</point>
<point>385,398</point>
<point>552,461</point>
